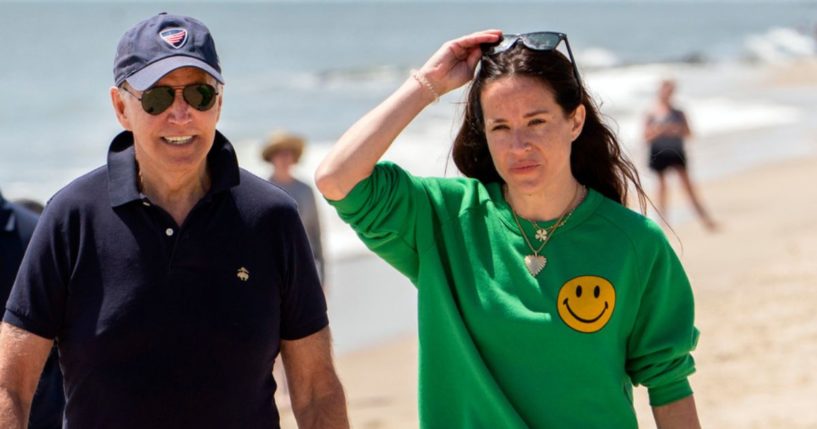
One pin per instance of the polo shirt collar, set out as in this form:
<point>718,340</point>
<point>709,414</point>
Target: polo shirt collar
<point>122,169</point>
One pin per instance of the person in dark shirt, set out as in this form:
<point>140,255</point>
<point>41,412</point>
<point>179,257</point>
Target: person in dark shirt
<point>170,278</point>
<point>16,226</point>
<point>665,129</point>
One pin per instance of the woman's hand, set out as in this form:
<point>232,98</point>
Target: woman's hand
<point>453,64</point>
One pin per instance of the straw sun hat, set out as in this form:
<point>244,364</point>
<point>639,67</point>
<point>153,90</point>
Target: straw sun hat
<point>283,140</point>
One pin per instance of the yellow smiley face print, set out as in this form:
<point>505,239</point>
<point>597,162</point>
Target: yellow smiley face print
<point>586,303</point>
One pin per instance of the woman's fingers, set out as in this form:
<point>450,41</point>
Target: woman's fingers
<point>453,64</point>
<point>473,59</point>
<point>478,38</point>
<point>463,47</point>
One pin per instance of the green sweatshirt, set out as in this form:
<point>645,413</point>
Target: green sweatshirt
<point>500,348</point>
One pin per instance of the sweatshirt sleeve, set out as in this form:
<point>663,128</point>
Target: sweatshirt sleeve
<point>658,351</point>
<point>383,210</point>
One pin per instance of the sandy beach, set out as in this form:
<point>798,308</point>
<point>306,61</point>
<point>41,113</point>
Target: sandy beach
<point>747,79</point>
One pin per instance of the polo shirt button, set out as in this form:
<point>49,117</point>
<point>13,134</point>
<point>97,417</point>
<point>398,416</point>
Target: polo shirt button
<point>146,203</point>
<point>169,232</point>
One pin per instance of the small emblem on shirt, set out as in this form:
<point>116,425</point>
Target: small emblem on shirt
<point>243,274</point>
<point>586,303</point>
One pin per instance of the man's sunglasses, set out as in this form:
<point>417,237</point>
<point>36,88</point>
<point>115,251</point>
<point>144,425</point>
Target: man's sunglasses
<point>157,99</point>
<point>539,41</point>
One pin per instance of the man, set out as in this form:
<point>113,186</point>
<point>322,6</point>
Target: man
<point>170,278</point>
<point>16,226</point>
<point>283,150</point>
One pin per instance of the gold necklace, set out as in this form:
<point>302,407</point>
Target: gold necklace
<point>535,263</point>
<point>541,233</point>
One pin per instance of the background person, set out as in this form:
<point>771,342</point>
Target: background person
<point>170,278</point>
<point>283,150</point>
<point>665,129</point>
<point>16,226</point>
<point>541,298</point>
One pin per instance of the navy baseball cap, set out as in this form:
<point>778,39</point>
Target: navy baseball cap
<point>161,44</point>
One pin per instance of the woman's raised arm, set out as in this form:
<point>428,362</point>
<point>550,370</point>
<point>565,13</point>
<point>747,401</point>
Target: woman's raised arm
<point>354,156</point>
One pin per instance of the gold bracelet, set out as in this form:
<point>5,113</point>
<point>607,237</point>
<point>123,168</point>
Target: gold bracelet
<point>426,84</point>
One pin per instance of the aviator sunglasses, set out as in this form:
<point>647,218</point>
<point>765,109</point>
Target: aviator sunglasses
<point>155,100</point>
<point>538,41</point>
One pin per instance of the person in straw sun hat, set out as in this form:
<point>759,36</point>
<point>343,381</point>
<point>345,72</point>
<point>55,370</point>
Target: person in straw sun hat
<point>280,141</point>
<point>283,150</point>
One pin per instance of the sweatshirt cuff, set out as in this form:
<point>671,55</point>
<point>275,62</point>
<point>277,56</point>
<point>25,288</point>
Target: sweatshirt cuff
<point>355,199</point>
<point>663,395</point>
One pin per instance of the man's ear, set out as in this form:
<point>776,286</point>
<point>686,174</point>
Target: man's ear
<point>220,100</point>
<point>119,108</point>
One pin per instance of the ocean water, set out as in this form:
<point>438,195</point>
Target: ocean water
<point>315,67</point>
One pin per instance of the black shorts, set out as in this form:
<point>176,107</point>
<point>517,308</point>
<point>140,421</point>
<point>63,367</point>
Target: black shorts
<point>662,159</point>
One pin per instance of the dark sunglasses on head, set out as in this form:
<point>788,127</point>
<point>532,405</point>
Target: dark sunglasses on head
<point>157,99</point>
<point>538,41</point>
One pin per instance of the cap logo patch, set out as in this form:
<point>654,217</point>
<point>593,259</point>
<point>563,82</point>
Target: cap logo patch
<point>175,37</point>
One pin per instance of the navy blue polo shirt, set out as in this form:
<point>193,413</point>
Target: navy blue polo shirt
<point>161,325</point>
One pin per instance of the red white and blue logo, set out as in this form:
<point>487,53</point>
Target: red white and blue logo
<point>175,37</point>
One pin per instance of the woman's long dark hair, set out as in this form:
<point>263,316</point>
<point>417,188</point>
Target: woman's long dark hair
<point>596,159</point>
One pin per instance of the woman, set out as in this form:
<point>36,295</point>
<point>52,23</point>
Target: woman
<point>541,298</point>
<point>665,129</point>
